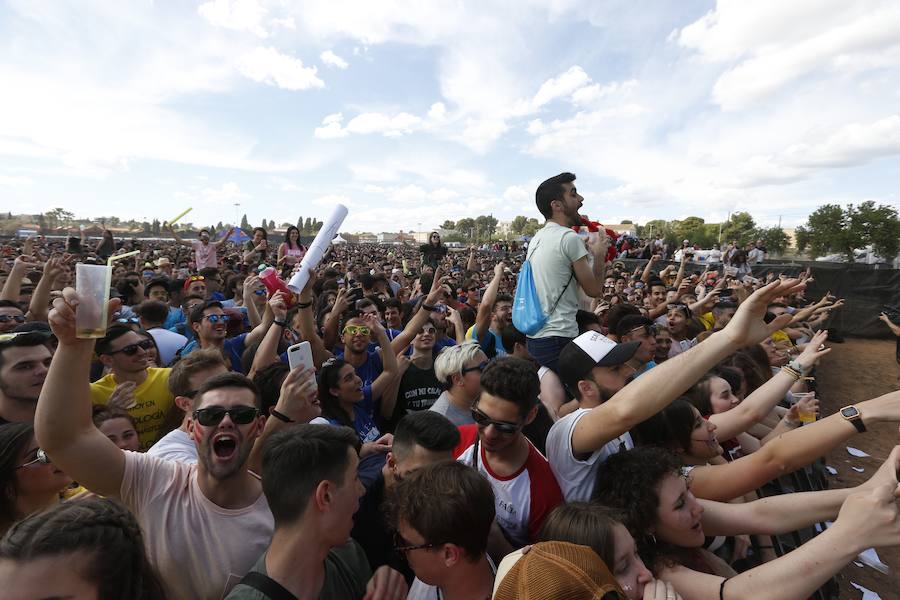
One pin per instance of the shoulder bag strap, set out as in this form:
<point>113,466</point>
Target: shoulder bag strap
<point>267,586</point>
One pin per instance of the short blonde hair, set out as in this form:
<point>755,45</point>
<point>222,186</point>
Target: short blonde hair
<point>453,359</point>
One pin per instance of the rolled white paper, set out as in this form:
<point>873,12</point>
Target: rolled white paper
<point>316,251</point>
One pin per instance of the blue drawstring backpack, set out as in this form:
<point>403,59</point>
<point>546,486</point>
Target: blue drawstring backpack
<point>527,313</point>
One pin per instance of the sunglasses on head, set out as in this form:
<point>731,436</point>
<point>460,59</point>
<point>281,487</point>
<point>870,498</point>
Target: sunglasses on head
<point>357,329</point>
<point>213,415</point>
<point>260,292</point>
<point>8,318</point>
<point>40,459</point>
<point>131,349</point>
<point>196,278</point>
<point>217,318</point>
<point>504,427</point>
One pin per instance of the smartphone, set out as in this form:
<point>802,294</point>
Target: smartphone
<point>300,355</point>
<point>355,294</point>
<point>726,293</point>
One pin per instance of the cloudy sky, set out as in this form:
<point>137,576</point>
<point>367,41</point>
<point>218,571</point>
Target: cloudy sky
<point>411,114</point>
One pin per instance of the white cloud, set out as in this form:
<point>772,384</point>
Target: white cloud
<point>224,194</point>
<point>268,65</point>
<point>237,15</point>
<point>330,200</point>
<point>560,87</point>
<point>333,60</point>
<point>369,123</point>
<point>331,127</point>
<point>14,181</point>
<point>287,23</point>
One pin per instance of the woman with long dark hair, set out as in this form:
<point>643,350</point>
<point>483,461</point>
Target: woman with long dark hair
<point>434,251</point>
<point>290,251</point>
<point>669,524</point>
<point>29,482</point>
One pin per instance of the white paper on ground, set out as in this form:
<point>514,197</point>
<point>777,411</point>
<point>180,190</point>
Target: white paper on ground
<point>870,559</point>
<point>866,594</point>
<point>858,564</point>
<point>831,470</point>
<point>858,469</point>
<point>856,452</point>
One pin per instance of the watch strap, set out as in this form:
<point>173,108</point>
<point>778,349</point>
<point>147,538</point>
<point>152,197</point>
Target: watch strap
<point>856,420</point>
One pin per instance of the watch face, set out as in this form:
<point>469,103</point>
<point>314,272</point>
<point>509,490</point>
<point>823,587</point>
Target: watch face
<point>850,412</point>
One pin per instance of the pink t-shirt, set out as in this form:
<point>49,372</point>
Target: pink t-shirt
<point>204,255</point>
<point>200,549</point>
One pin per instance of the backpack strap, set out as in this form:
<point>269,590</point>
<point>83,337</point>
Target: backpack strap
<point>267,585</point>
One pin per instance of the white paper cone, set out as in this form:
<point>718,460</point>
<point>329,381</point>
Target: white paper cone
<point>316,251</point>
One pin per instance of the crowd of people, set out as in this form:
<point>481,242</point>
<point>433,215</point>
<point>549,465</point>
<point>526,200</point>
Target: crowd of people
<point>431,449</point>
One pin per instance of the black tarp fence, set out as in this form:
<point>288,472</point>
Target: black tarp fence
<point>866,291</point>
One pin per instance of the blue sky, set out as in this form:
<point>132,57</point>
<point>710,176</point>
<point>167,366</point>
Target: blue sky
<point>416,112</point>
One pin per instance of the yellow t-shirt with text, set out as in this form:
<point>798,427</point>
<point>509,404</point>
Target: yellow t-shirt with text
<point>152,402</point>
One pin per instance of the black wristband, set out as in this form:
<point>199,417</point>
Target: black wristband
<point>429,308</point>
<point>304,304</point>
<point>281,416</point>
<point>279,323</point>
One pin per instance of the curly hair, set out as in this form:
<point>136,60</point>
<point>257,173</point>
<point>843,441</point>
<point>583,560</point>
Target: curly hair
<point>514,380</point>
<point>629,482</point>
<point>99,528</point>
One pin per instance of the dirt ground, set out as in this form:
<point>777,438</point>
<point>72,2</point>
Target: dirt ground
<point>853,371</point>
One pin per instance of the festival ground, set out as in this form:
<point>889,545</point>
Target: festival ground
<point>857,370</point>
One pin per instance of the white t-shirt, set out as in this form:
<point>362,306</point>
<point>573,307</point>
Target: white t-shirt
<point>176,445</point>
<point>576,477</point>
<point>204,255</point>
<point>422,591</point>
<point>200,549</point>
<point>551,253</point>
<point>168,343</point>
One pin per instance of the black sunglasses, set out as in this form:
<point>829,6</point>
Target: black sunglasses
<point>213,415</point>
<point>402,546</point>
<point>481,367</point>
<point>8,318</point>
<point>504,427</point>
<point>131,349</point>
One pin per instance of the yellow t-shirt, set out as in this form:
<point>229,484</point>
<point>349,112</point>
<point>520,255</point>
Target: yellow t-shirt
<point>708,320</point>
<point>780,336</point>
<point>152,402</point>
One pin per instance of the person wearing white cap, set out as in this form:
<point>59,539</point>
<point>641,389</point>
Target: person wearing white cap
<point>595,373</point>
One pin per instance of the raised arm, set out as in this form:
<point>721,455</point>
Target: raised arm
<point>175,235</point>
<point>760,403</point>
<point>12,288</point>
<point>251,282</point>
<point>257,333</point>
<point>655,389</point>
<point>224,239</point>
<point>679,277</point>
<point>267,352</point>
<point>333,319</point>
<point>39,306</point>
<point>308,324</point>
<point>788,452</point>
<point>389,367</point>
<point>648,269</point>
<point>62,422</point>
<point>486,307</point>
<point>415,324</point>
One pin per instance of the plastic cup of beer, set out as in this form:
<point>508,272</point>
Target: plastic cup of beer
<point>92,286</point>
<point>806,416</point>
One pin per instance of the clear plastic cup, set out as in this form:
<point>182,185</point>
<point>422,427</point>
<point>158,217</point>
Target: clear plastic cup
<point>805,416</point>
<point>92,286</point>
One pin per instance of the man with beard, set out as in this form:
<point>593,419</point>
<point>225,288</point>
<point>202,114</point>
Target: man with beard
<point>593,368</point>
<point>558,256</point>
<point>204,525</point>
<point>130,384</point>
<point>24,360</point>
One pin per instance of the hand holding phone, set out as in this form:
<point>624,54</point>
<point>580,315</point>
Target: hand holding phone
<point>300,356</point>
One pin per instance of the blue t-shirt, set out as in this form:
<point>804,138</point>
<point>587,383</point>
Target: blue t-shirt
<point>363,421</point>
<point>233,348</point>
<point>369,370</point>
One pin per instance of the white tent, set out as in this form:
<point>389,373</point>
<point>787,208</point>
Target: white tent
<point>339,240</point>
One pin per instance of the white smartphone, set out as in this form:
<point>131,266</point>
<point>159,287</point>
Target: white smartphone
<point>300,355</point>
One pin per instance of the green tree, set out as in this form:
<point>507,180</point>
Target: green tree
<point>691,229</point>
<point>826,232</point>
<point>518,224</point>
<point>317,225</point>
<point>875,225</point>
<point>245,224</point>
<point>154,227</point>
<point>466,227</point>
<point>300,224</point>
<point>486,225</point>
<point>307,226</point>
<point>627,222</point>
<point>740,227</point>
<point>774,239</point>
<point>448,224</point>
<point>531,227</point>
<point>42,222</point>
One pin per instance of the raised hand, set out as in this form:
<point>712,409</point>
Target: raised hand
<point>123,396</point>
<point>62,316</point>
<point>812,353</point>
<point>278,304</point>
<point>747,327</point>
<point>299,396</point>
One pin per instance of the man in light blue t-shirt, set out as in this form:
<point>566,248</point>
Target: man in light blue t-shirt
<point>559,262</point>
